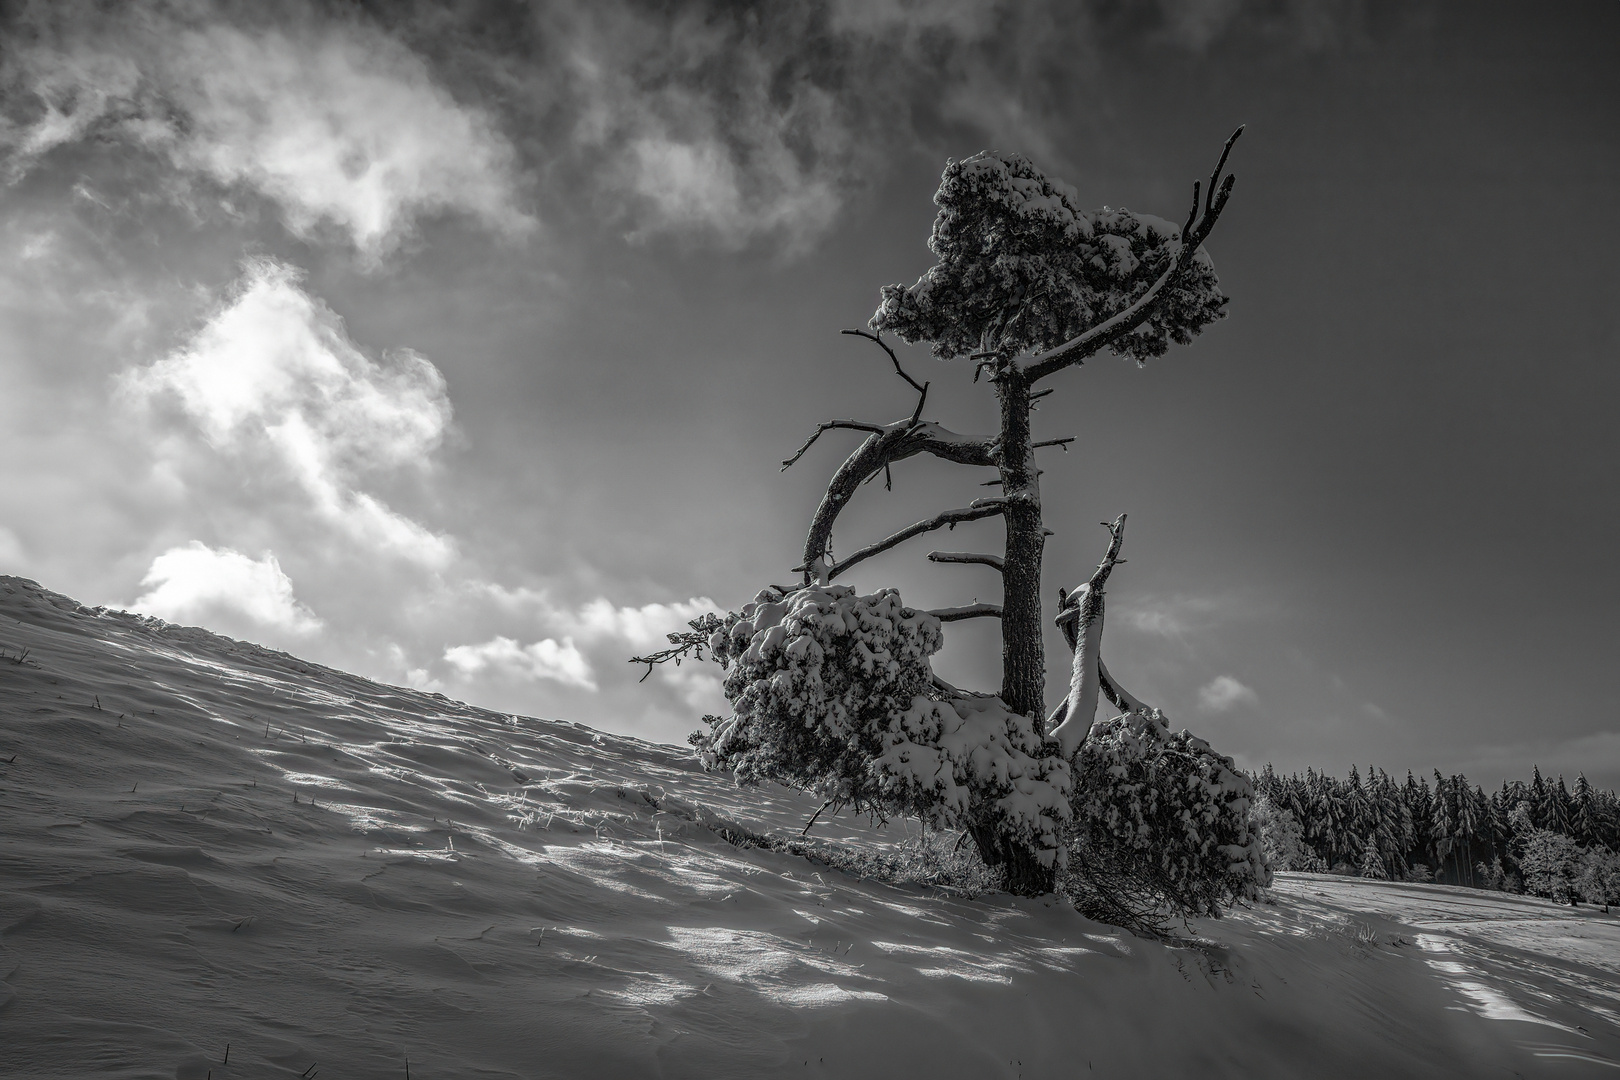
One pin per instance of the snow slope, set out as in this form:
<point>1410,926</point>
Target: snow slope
<point>332,876</point>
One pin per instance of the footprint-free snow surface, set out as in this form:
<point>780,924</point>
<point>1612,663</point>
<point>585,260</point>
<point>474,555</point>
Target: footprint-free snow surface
<point>207,845</point>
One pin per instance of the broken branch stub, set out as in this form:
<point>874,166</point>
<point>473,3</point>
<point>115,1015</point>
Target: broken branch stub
<point>1081,619</point>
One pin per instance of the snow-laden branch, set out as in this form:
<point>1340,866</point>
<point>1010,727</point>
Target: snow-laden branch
<point>1197,229</point>
<point>966,611</point>
<point>994,561</point>
<point>1080,616</point>
<point>979,508</point>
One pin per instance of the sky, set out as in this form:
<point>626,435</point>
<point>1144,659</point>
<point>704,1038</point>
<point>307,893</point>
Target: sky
<point>460,345</point>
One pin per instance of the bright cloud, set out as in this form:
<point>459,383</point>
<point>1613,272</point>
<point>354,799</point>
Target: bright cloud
<point>200,584</point>
<point>544,659</point>
<point>341,126</point>
<point>1224,693</point>
<point>645,627</point>
<point>273,376</point>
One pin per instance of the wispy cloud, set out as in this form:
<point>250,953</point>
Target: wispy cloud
<point>273,379</point>
<point>220,587</point>
<point>340,125</point>
<point>1224,693</point>
<point>545,659</point>
<point>1169,616</point>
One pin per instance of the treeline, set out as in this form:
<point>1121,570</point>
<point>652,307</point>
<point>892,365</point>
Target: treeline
<point>1537,837</point>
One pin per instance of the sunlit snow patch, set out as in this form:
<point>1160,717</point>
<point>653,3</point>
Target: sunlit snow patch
<point>1484,1000</point>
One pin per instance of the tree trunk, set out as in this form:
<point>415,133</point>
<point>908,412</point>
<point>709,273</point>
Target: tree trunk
<point>1023,655</point>
<point>1025,874</point>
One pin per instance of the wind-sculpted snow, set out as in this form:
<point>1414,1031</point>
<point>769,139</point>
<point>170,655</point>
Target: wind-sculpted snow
<point>204,843</point>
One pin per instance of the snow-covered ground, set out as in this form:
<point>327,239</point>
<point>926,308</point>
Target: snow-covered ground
<point>205,844</point>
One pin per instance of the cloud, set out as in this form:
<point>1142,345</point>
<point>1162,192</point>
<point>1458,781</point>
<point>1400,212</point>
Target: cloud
<point>272,378</point>
<point>339,124</point>
<point>199,584</point>
<point>545,659</point>
<point>645,627</point>
<point>1223,693</point>
<point>709,125</point>
<point>1168,617</point>
<point>12,555</point>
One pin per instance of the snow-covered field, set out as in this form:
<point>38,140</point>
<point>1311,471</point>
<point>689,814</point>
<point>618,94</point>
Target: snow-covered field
<point>204,844</point>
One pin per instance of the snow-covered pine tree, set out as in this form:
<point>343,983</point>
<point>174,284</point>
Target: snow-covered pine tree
<point>1585,824</point>
<point>1027,284</point>
<point>1558,808</point>
<point>1539,799</point>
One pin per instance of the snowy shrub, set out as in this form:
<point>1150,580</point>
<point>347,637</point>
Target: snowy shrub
<point>1160,825</point>
<point>1019,260</point>
<point>833,694</point>
<point>1491,875</point>
<point>1282,839</point>
<point>1550,864</point>
<point>1598,879</point>
<point>1372,863</point>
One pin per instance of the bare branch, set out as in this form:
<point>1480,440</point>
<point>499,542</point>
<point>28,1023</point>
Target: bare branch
<point>898,370</point>
<point>883,447</point>
<point>967,611</point>
<point>1117,694</point>
<point>829,425</point>
<point>1221,164</point>
<point>817,814</point>
<point>684,645</point>
<point>1055,442</point>
<point>994,561</point>
<point>1077,349</point>
<point>980,508</point>
<point>1037,395</point>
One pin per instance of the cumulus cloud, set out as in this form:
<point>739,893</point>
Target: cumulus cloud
<point>273,378</point>
<point>644,627</point>
<point>544,659</point>
<point>339,125</point>
<point>1223,693</point>
<point>199,584</point>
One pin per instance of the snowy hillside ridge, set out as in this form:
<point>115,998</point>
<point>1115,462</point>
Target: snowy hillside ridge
<point>218,860</point>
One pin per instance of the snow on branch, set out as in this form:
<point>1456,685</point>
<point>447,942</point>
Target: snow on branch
<point>966,611</point>
<point>1023,269</point>
<point>1080,615</point>
<point>1111,330</point>
<point>996,562</point>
